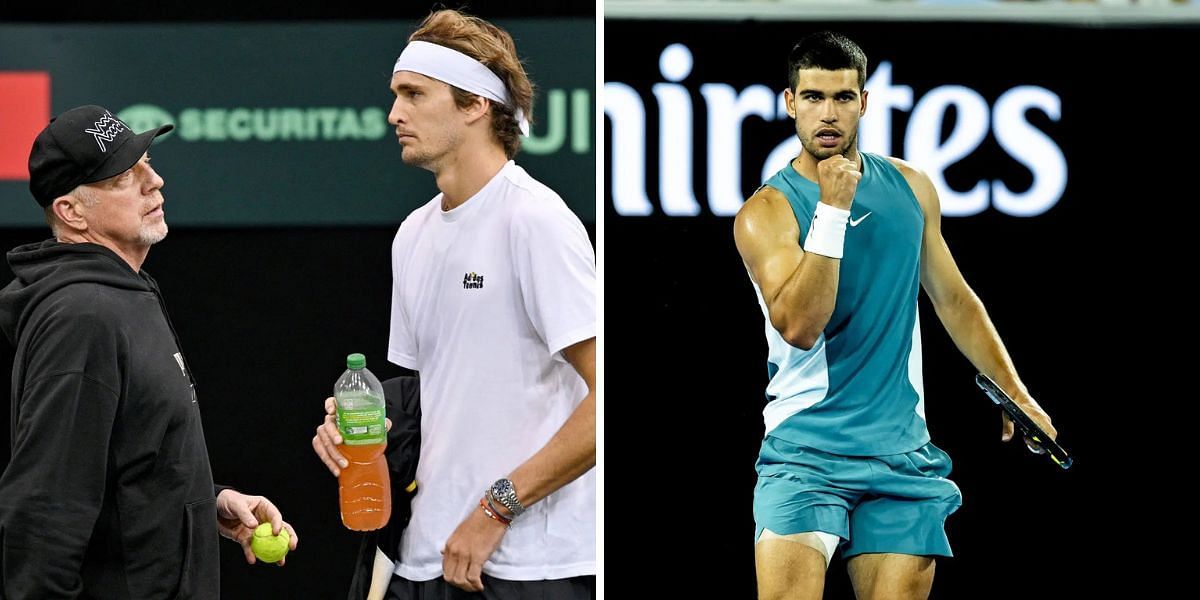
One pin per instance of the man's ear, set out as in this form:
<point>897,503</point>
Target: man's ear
<point>477,109</point>
<point>69,211</point>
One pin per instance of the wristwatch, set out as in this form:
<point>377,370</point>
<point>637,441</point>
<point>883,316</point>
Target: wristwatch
<point>503,492</point>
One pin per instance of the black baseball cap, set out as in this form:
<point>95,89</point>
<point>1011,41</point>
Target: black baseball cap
<point>83,145</point>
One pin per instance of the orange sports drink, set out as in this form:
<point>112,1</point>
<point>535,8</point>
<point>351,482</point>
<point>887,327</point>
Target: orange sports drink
<point>364,489</point>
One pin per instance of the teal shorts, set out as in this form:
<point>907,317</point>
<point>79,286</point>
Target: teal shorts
<point>897,503</point>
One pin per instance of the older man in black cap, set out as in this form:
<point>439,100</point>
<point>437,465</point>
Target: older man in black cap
<point>108,493</point>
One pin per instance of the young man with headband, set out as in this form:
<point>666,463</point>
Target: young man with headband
<point>494,305</point>
<point>847,459</point>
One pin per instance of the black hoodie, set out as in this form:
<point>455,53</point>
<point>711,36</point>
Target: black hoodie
<point>109,493</point>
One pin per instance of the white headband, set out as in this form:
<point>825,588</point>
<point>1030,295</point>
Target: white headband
<point>459,70</point>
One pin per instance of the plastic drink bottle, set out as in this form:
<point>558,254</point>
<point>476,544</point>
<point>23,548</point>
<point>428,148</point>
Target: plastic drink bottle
<point>364,490</point>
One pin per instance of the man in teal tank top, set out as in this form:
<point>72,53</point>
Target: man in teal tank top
<point>837,245</point>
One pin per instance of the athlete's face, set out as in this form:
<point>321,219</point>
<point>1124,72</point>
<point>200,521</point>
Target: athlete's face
<point>426,118</point>
<point>826,106</point>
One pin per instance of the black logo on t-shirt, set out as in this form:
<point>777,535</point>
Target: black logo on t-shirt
<point>472,281</point>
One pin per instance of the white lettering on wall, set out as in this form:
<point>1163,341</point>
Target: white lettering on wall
<point>1032,148</point>
<point>675,134</point>
<point>726,109</point>
<point>924,147</point>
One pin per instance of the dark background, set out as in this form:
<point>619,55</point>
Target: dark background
<point>266,318</point>
<point>1093,300</point>
<point>1084,299</point>
<point>199,75</point>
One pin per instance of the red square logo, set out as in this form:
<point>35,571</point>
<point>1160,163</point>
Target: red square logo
<point>24,111</point>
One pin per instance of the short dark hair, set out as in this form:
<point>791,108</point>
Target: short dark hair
<point>828,51</point>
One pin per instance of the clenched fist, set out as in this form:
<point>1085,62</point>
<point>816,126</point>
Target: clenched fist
<point>838,177</point>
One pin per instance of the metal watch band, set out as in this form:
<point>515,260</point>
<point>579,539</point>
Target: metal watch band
<point>503,492</point>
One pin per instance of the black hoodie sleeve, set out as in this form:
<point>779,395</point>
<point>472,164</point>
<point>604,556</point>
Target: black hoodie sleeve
<point>55,484</point>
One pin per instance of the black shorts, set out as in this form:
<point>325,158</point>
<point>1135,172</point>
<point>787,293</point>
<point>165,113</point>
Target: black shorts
<point>573,588</point>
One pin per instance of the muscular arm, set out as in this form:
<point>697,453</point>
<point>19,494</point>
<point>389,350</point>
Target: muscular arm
<point>572,450</point>
<point>959,309</point>
<point>799,288</point>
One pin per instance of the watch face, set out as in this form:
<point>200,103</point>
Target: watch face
<point>502,489</point>
<point>504,492</point>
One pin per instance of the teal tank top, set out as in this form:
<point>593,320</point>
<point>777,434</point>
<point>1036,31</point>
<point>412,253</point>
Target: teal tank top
<point>858,391</point>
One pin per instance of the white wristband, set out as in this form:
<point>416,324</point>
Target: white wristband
<point>827,233</point>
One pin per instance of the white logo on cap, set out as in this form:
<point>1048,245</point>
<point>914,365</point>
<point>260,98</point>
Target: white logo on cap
<point>106,129</point>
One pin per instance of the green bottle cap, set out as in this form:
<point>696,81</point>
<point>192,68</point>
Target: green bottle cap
<point>356,361</point>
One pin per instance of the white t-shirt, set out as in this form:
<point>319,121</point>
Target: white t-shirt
<point>485,297</point>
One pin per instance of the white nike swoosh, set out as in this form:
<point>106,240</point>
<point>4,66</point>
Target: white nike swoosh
<point>855,222</point>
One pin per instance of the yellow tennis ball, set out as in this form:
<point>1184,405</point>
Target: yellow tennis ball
<point>270,548</point>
